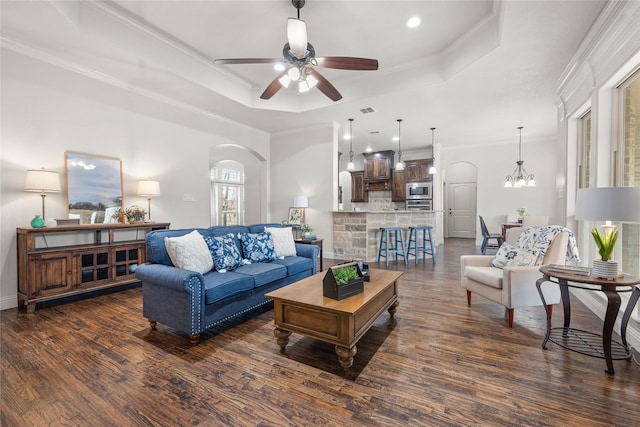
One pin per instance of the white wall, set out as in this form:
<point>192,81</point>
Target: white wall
<point>494,163</point>
<point>47,111</point>
<point>304,163</point>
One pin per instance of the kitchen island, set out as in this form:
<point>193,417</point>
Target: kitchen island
<point>356,234</point>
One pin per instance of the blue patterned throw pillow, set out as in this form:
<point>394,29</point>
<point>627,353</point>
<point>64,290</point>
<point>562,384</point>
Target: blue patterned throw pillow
<point>224,251</point>
<point>510,256</point>
<point>257,247</point>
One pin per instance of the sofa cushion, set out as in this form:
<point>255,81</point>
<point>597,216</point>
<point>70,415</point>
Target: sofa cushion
<point>511,256</point>
<point>218,286</point>
<point>257,247</point>
<point>294,264</point>
<point>189,252</point>
<point>491,276</point>
<point>157,250</point>
<point>225,252</point>
<point>263,272</point>
<point>282,241</point>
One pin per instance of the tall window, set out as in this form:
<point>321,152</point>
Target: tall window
<point>584,178</point>
<point>629,166</point>
<point>227,188</point>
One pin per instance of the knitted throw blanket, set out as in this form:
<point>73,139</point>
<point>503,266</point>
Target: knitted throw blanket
<point>538,238</point>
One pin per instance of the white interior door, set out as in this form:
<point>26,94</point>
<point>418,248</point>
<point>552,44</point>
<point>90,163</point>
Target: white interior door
<point>461,210</point>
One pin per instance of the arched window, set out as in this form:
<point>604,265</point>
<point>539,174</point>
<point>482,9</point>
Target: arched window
<point>227,193</point>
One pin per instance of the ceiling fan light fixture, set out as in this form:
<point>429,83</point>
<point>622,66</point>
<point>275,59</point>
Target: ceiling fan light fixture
<point>311,81</point>
<point>293,73</point>
<point>303,86</point>
<point>297,36</point>
<point>285,81</point>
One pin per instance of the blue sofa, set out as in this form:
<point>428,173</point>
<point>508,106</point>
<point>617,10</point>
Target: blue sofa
<point>192,302</point>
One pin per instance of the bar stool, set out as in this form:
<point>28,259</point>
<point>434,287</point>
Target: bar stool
<point>385,241</point>
<point>426,238</point>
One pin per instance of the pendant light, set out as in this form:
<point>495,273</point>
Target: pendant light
<point>350,166</point>
<point>520,178</point>
<point>432,169</point>
<point>399,165</point>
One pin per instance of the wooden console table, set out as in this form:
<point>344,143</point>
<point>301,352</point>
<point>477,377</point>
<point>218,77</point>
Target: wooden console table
<point>62,261</point>
<point>585,342</point>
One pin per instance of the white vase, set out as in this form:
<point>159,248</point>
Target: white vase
<point>604,269</point>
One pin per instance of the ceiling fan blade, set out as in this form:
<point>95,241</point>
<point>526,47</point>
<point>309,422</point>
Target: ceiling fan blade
<point>273,87</point>
<point>347,63</point>
<point>248,60</point>
<point>297,37</point>
<point>325,87</point>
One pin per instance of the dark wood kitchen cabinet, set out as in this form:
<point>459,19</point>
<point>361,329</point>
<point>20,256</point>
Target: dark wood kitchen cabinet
<point>358,190</point>
<point>398,186</point>
<point>377,166</point>
<point>417,170</point>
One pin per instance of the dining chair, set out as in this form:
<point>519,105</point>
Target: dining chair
<point>487,237</point>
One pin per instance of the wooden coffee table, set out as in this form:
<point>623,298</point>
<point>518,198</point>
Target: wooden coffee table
<point>301,307</point>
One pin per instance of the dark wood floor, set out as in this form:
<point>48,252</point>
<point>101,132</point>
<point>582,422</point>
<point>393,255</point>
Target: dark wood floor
<point>94,362</point>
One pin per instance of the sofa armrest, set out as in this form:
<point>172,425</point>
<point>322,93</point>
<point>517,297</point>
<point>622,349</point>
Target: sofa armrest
<point>309,251</point>
<point>475,261</point>
<point>169,277</point>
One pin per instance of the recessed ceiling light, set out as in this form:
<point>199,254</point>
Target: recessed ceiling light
<point>413,22</point>
<point>347,136</point>
<point>279,67</point>
<point>395,139</point>
<point>369,149</point>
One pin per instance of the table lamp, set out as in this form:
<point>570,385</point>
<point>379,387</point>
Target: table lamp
<point>42,181</point>
<point>148,189</point>
<point>621,204</point>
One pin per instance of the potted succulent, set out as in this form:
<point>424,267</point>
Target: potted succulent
<point>605,267</point>
<point>342,281</point>
<point>306,230</point>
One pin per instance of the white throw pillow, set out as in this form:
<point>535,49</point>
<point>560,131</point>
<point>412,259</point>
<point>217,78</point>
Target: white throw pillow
<point>511,256</point>
<point>282,241</point>
<point>189,252</point>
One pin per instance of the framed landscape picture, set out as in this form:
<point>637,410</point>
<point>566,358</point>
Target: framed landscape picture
<point>94,187</point>
<point>296,216</point>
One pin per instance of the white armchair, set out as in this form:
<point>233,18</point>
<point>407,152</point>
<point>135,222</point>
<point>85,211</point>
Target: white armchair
<point>513,287</point>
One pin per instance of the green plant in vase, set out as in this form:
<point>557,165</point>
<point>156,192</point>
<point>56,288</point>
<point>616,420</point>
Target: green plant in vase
<point>605,267</point>
<point>605,243</point>
<point>345,275</point>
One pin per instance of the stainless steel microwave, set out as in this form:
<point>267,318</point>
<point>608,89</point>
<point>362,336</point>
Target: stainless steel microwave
<point>419,190</point>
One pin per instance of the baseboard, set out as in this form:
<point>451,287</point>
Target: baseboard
<point>596,302</point>
<point>7,302</point>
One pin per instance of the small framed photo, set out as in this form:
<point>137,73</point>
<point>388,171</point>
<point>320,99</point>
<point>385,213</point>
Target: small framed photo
<point>296,216</point>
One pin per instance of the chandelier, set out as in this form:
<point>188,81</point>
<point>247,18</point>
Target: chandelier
<point>520,178</point>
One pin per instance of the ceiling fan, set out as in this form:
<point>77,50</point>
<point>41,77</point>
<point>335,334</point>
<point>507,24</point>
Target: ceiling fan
<point>302,58</point>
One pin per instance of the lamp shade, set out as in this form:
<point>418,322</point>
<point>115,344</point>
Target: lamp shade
<point>301,202</point>
<point>42,181</point>
<point>620,204</point>
<point>148,188</point>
